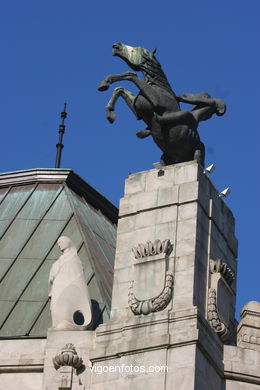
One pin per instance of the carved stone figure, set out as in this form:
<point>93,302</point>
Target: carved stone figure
<point>173,130</point>
<point>70,303</point>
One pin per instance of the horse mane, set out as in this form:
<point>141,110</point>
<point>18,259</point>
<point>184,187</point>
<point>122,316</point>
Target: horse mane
<point>153,73</point>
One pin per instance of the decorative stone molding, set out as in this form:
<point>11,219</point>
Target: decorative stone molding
<point>247,338</point>
<point>154,304</point>
<point>213,315</point>
<point>221,298</point>
<point>152,248</point>
<point>67,357</point>
<point>224,269</point>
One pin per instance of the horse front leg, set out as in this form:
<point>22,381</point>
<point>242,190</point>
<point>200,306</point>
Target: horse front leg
<point>112,78</point>
<point>129,98</point>
<point>147,90</point>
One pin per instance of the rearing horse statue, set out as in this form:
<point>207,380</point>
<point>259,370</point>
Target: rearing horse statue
<point>173,130</point>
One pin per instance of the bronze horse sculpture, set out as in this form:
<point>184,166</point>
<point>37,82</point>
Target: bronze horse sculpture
<point>173,130</point>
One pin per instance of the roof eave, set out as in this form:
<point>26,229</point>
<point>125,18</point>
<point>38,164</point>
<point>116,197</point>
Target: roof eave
<point>61,175</point>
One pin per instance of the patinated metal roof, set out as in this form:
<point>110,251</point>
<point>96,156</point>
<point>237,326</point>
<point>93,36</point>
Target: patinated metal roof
<point>36,207</point>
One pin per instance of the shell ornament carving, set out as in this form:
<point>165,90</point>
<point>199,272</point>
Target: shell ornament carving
<point>161,301</point>
<point>152,249</point>
<point>224,269</point>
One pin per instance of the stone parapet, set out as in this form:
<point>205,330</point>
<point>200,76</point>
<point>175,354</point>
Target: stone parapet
<point>22,364</point>
<point>22,355</point>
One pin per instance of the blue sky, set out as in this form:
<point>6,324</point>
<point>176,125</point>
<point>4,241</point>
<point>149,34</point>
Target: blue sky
<point>60,50</point>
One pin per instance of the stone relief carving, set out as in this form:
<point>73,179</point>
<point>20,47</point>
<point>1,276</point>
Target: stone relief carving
<point>67,357</point>
<point>162,300</point>
<point>213,315</point>
<point>224,269</point>
<point>67,363</point>
<point>152,248</point>
<point>220,297</point>
<point>70,302</point>
<point>154,304</point>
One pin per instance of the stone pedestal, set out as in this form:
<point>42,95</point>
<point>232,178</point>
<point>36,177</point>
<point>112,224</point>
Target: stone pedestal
<point>66,360</point>
<point>174,288</point>
<point>178,204</point>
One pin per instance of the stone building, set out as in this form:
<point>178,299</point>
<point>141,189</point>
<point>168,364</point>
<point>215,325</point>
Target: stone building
<point>165,320</point>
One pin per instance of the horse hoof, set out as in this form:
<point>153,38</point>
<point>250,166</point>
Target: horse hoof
<point>143,133</point>
<point>111,116</point>
<point>103,87</point>
<point>221,107</point>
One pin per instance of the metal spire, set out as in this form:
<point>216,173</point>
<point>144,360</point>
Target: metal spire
<point>60,145</point>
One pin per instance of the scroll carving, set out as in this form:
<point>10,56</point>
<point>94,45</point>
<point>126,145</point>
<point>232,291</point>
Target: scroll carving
<point>154,304</point>
<point>161,301</point>
<point>220,297</point>
<point>213,315</point>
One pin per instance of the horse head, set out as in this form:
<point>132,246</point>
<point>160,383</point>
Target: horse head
<point>135,57</point>
<point>140,59</point>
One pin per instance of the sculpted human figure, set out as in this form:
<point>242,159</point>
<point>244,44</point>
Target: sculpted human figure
<point>173,130</point>
<point>70,302</point>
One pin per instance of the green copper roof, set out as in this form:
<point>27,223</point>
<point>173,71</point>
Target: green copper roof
<point>36,207</point>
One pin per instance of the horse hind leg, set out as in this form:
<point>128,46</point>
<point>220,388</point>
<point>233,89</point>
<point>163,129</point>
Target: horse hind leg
<point>199,154</point>
<point>166,160</point>
<point>129,98</point>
